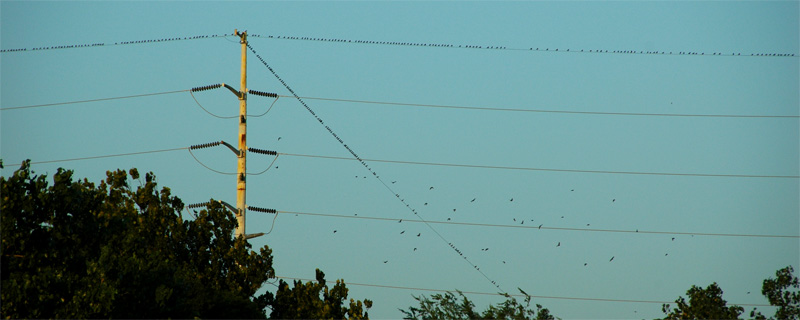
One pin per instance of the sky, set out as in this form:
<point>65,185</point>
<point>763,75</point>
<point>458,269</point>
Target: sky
<point>706,193</point>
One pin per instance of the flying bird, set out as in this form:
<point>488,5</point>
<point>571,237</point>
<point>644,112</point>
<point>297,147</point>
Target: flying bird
<point>418,234</point>
<point>559,244</point>
<point>612,259</point>
<point>673,238</point>
<point>512,200</point>
<point>385,261</point>
<point>415,249</point>
<point>585,264</point>
<point>402,232</point>
<point>431,188</point>
<point>393,182</point>
<point>613,200</point>
<point>540,226</point>
<point>279,138</point>
<point>334,231</point>
<point>473,199</point>
<point>401,220</point>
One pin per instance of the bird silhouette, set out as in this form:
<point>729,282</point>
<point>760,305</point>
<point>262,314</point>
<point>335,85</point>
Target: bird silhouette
<point>385,261</point>
<point>334,231</point>
<point>448,219</point>
<point>540,226</point>
<point>559,244</point>
<point>418,234</point>
<point>473,200</point>
<point>454,210</point>
<point>279,138</point>
<point>504,262</point>
<point>426,204</point>
<point>613,200</point>
<point>673,238</point>
<point>431,188</point>
<point>415,249</point>
<point>401,220</point>
<point>585,264</point>
<point>512,200</point>
<point>402,232</point>
<point>572,190</point>
<point>393,182</point>
<point>612,259</point>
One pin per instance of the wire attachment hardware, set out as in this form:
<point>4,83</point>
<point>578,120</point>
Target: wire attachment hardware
<point>261,151</point>
<point>209,87</point>
<point>263,94</point>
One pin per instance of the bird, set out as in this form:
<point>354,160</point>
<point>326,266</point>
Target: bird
<point>612,259</point>
<point>559,244</point>
<point>512,200</point>
<point>585,264</point>
<point>415,249</point>
<point>562,217</point>
<point>540,226</point>
<point>523,222</point>
<point>279,138</point>
<point>587,224</point>
<point>666,254</point>
<point>504,262</point>
<point>393,182</point>
<point>426,204</point>
<point>334,231</point>
<point>515,219</point>
<point>402,232</point>
<point>448,219</point>
<point>431,188</point>
<point>473,199</point>
<point>572,190</point>
<point>748,292</point>
<point>418,234</point>
<point>401,220</point>
<point>454,210</point>
<point>673,238</point>
<point>613,200</point>
<point>385,261</point>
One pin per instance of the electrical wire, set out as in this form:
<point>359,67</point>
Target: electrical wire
<point>636,231</point>
<point>102,156</point>
<point>366,166</point>
<point>232,117</point>
<point>231,173</point>
<point>529,48</point>
<point>91,100</point>
<point>441,165</point>
<point>503,294</point>
<point>549,111</point>
<point>103,44</point>
<point>550,169</point>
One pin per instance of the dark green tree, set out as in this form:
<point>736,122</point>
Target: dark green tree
<point>314,300</point>
<point>448,306</point>
<point>703,304</point>
<point>782,292</point>
<point>76,250</point>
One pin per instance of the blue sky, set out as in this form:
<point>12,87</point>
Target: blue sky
<point>647,266</point>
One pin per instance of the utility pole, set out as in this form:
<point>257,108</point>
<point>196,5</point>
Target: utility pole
<point>241,183</point>
<point>241,153</point>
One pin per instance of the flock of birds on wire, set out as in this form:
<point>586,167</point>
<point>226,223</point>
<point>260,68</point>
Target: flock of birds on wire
<point>403,43</point>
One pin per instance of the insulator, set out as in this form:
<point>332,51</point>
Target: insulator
<point>264,210</point>
<point>204,88</point>
<point>261,151</point>
<point>205,145</point>
<point>263,94</point>
<point>198,205</point>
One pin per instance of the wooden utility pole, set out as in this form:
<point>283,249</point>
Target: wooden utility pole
<point>241,172</point>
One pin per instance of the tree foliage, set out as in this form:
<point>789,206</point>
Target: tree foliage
<point>448,306</point>
<point>782,291</point>
<point>314,300</point>
<point>703,304</point>
<point>76,250</point>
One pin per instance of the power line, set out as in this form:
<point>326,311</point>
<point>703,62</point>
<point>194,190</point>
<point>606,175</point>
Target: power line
<point>550,169</point>
<point>104,44</point>
<point>402,104</point>
<point>92,100</point>
<point>547,111</point>
<point>530,48</point>
<point>636,231</point>
<point>450,165</point>
<point>103,156</point>
<point>513,295</point>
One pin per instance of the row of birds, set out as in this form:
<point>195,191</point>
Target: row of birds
<point>417,44</point>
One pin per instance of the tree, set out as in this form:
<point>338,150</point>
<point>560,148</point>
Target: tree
<point>448,306</point>
<point>303,301</point>
<point>779,294</point>
<point>703,304</point>
<point>76,250</point>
